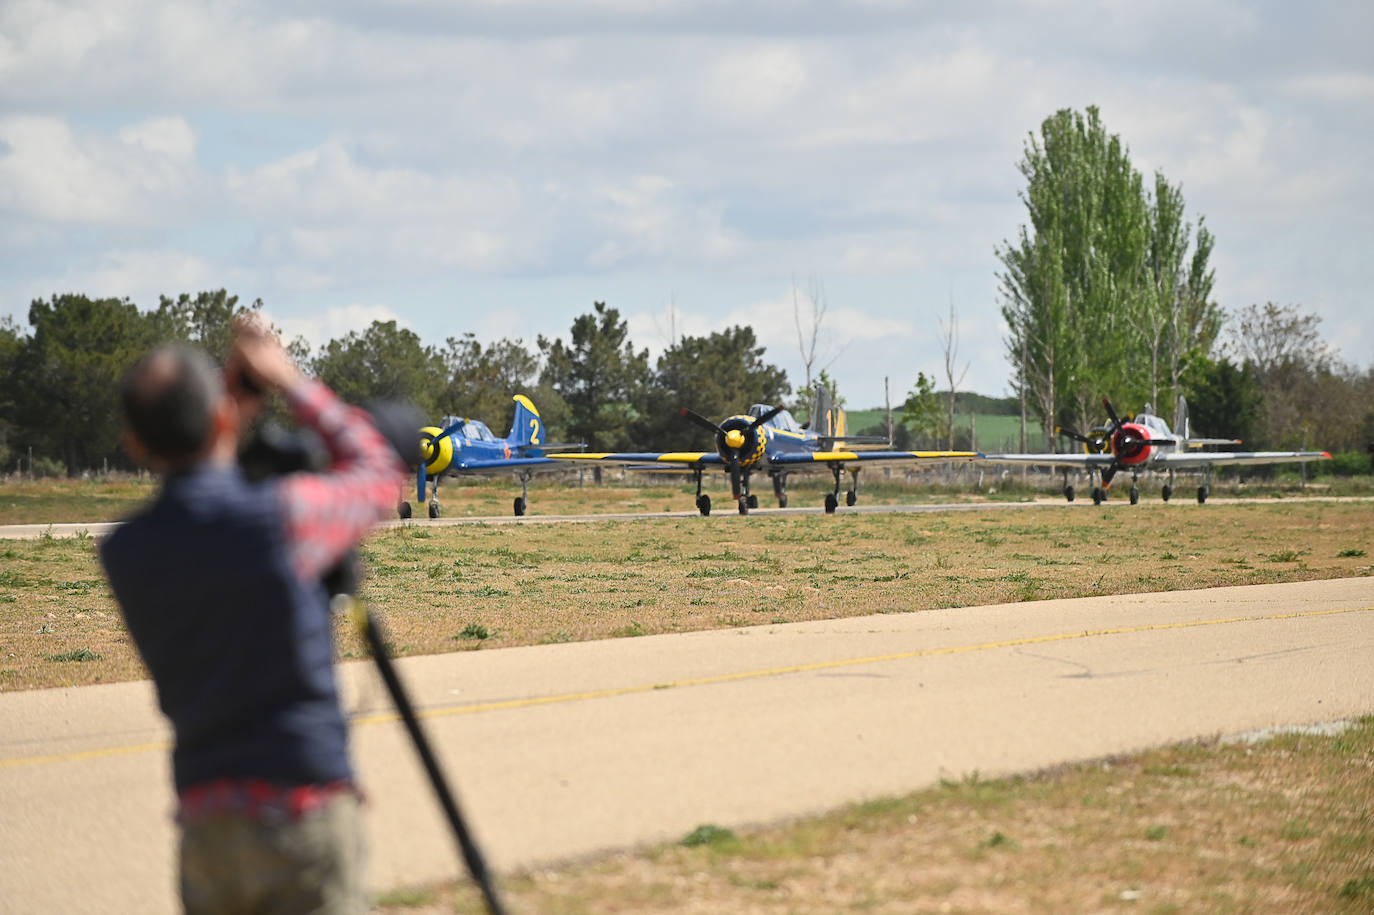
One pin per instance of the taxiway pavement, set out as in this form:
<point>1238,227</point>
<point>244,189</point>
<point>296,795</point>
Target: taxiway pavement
<point>560,751</point>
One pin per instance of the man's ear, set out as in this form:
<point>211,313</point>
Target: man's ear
<point>136,450</point>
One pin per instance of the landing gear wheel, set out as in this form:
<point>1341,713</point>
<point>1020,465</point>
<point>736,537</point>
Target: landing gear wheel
<point>704,504</point>
<point>831,503</point>
<point>744,505</point>
<point>403,510</point>
<point>753,501</point>
<point>782,501</point>
<point>1201,494</point>
<point>1166,492</point>
<point>851,497</point>
<point>1068,493</point>
<point>1099,495</point>
<point>434,509</point>
<point>1135,495</point>
<point>519,506</point>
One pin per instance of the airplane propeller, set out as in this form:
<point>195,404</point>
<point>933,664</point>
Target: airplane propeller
<point>731,442</point>
<point>1095,442</point>
<point>429,453</point>
<point>1127,443</point>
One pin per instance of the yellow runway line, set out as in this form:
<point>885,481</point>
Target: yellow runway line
<point>586,695</point>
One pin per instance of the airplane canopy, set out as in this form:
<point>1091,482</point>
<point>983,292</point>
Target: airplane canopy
<point>1156,424</point>
<point>472,430</point>
<point>784,420</point>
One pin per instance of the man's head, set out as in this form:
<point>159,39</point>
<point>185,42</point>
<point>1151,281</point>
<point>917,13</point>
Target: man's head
<point>174,404</point>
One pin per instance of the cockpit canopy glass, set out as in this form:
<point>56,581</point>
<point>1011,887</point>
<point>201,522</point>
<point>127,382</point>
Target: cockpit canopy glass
<point>784,420</point>
<point>471,429</point>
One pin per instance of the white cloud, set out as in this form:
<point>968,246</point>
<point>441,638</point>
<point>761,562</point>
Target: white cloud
<point>1337,87</point>
<point>50,173</point>
<point>170,137</point>
<point>322,206</point>
<point>774,320</point>
<point>319,327</point>
<point>756,81</point>
<point>138,275</point>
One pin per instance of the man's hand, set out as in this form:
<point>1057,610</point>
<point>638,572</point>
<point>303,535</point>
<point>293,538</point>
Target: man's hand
<point>258,358</point>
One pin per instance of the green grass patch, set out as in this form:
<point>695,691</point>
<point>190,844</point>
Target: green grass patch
<point>78,654</point>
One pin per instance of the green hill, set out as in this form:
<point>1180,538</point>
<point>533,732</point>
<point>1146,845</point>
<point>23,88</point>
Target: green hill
<point>993,431</point>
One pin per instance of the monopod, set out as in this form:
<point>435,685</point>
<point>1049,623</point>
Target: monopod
<point>472,855</point>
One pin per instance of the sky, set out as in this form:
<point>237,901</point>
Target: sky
<point>496,166</point>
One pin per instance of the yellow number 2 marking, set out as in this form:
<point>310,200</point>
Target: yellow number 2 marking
<point>534,432</point>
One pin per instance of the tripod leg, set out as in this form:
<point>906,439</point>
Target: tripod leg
<point>472,855</point>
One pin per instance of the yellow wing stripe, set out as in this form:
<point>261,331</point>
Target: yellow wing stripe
<point>672,457</point>
<point>859,456</point>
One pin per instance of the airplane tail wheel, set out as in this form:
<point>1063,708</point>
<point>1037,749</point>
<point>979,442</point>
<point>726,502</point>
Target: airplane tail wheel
<point>403,510</point>
<point>1068,493</point>
<point>1135,495</point>
<point>519,506</point>
<point>1099,495</point>
<point>704,504</point>
<point>434,509</point>
<point>1201,494</point>
<point>831,503</point>
<point>743,505</point>
<point>851,497</point>
<point>753,501</point>
<point>1166,492</point>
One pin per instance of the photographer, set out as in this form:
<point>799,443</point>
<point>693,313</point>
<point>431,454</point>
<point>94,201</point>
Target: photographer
<point>219,583</point>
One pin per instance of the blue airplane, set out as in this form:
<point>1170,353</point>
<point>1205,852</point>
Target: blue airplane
<point>769,440</point>
<point>459,445</point>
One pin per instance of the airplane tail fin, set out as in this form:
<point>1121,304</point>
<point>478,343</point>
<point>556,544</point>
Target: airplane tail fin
<point>827,420</point>
<point>526,428</point>
<point>1182,432</point>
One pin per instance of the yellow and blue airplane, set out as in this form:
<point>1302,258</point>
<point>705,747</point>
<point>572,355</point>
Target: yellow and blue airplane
<point>460,445</point>
<point>769,440</point>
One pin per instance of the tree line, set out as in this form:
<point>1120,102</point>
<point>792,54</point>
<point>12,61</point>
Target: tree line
<point>1106,291</point>
<point>60,378</point>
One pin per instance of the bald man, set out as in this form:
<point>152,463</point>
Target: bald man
<point>219,581</point>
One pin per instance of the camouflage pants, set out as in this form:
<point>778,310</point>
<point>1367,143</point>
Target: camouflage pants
<point>233,863</point>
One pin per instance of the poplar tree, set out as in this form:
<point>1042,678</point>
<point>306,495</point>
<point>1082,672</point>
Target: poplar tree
<point>1100,292</point>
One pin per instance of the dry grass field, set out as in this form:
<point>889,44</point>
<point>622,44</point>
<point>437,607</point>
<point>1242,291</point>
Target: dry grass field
<point>476,586</point>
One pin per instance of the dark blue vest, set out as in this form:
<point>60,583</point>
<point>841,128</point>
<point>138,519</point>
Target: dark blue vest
<point>240,651</point>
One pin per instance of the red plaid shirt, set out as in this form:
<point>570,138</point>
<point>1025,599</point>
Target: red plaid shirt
<point>327,513</point>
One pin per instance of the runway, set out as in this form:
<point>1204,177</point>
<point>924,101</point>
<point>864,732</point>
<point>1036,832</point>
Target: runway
<point>721,514</point>
<point>560,751</point>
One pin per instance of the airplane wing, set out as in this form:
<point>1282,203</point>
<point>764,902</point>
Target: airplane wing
<point>1199,442</point>
<point>502,465</point>
<point>791,459</point>
<point>683,458</point>
<point>1184,460</point>
<point>1051,460</point>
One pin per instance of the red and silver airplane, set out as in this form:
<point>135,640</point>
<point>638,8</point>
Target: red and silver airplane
<point>1146,443</point>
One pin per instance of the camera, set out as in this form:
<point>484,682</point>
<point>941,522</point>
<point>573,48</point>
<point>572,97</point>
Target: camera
<point>275,450</point>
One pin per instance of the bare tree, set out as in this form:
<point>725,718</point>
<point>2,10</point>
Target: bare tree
<point>949,340</point>
<point>672,316</point>
<point>817,351</point>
